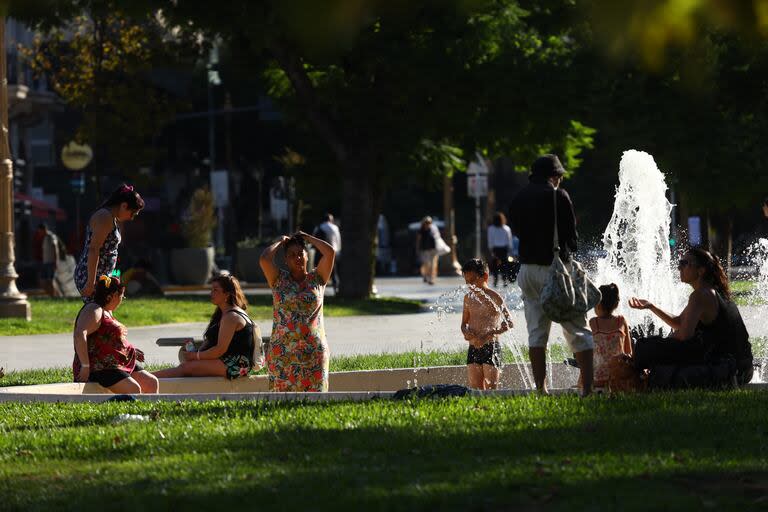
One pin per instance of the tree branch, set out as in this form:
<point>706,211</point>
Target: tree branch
<point>305,91</point>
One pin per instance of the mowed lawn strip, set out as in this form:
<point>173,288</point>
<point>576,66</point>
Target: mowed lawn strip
<point>672,451</point>
<point>58,315</point>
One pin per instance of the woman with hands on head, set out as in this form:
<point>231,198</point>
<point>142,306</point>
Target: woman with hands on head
<point>297,359</point>
<point>102,352</point>
<point>710,326</point>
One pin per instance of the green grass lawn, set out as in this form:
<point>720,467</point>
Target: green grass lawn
<point>57,315</point>
<point>744,293</point>
<point>681,451</point>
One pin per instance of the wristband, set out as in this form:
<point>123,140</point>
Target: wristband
<point>85,365</point>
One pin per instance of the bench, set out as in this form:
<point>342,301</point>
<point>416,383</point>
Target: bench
<point>180,342</point>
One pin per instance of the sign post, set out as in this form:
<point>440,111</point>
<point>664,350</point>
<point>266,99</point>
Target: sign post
<point>477,187</point>
<point>76,157</point>
<point>220,191</point>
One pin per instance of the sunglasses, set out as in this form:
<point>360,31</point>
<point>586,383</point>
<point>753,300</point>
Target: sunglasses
<point>683,263</point>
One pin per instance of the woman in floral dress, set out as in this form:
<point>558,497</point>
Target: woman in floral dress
<point>102,352</point>
<point>102,238</point>
<point>297,359</point>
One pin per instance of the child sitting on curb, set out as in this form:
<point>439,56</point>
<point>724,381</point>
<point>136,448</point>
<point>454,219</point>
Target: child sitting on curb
<point>485,317</point>
<point>611,335</point>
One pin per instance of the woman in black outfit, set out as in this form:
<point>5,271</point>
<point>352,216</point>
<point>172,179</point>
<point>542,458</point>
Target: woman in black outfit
<point>709,329</point>
<point>229,347</point>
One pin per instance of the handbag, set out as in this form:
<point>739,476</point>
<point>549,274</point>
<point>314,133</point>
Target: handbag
<point>442,247</point>
<point>568,292</point>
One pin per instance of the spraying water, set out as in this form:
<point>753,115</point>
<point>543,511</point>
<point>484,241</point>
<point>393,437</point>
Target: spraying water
<point>639,258</point>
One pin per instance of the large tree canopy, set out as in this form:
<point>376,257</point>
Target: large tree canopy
<point>390,86</point>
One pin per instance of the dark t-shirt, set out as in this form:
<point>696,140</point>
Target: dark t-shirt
<point>532,220</point>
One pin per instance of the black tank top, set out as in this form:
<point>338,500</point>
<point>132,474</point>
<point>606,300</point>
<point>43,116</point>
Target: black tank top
<point>727,335</point>
<point>242,340</point>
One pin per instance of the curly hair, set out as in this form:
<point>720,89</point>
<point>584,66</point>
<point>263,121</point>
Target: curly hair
<point>106,286</point>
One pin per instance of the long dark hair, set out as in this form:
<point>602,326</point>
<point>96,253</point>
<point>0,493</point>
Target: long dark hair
<point>714,273</point>
<point>499,219</point>
<point>230,285</point>
<point>105,287</point>
<point>124,194</point>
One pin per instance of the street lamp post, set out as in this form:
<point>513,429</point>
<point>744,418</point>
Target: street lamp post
<point>12,302</point>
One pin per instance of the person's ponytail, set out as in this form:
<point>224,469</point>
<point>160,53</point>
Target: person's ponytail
<point>714,273</point>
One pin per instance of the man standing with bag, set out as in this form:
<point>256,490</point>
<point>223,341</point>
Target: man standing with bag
<point>532,219</point>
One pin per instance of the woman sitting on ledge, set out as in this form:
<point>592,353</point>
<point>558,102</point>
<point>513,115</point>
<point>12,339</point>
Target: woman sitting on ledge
<point>102,352</point>
<point>709,329</point>
<point>228,349</point>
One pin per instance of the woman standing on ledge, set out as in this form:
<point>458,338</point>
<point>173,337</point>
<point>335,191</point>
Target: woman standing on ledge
<point>102,238</point>
<point>297,359</point>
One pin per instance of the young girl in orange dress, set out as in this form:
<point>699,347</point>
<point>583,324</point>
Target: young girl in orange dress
<point>610,333</point>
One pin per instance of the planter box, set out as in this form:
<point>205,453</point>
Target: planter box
<point>192,265</point>
<point>248,268</point>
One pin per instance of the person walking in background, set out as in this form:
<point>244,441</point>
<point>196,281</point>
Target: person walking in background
<point>426,247</point>
<point>532,219</point>
<point>49,259</point>
<point>102,238</point>
<point>500,247</point>
<point>328,232</point>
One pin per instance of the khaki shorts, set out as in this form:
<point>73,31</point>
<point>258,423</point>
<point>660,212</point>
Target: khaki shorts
<point>531,280</point>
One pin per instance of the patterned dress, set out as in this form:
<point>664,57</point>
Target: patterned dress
<point>609,336</point>
<point>107,257</point>
<point>108,348</point>
<point>298,354</point>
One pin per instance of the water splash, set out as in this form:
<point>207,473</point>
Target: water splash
<point>639,258</point>
<point>452,302</point>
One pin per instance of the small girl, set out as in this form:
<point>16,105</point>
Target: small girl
<point>610,333</point>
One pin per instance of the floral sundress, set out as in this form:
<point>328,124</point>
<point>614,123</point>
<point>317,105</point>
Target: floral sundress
<point>108,348</point>
<point>609,343</point>
<point>107,257</point>
<point>297,359</point>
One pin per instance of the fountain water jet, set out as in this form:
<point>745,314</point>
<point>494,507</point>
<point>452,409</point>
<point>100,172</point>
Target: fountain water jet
<point>639,258</point>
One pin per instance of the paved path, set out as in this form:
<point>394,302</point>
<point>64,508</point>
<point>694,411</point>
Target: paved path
<point>431,330</point>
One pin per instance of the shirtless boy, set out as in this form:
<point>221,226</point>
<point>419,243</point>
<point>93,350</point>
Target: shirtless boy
<point>485,317</point>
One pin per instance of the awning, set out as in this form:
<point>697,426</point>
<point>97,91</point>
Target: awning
<point>41,209</point>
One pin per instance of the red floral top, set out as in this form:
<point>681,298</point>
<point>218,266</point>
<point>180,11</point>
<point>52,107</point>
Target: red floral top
<point>108,348</point>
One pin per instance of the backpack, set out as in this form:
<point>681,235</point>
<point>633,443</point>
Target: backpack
<point>258,349</point>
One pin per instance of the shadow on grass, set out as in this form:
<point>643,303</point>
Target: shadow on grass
<point>687,450</point>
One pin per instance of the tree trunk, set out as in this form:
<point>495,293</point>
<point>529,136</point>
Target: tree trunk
<point>359,214</point>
